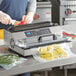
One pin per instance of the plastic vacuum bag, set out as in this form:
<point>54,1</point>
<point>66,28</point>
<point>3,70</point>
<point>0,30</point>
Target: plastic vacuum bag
<point>53,52</point>
<point>8,61</point>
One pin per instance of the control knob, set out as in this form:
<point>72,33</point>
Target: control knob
<point>68,11</point>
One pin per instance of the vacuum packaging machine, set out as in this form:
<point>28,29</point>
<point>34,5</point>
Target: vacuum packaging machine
<point>26,38</point>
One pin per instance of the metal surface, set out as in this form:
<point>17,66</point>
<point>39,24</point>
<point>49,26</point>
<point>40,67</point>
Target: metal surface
<point>70,28</point>
<point>29,40</point>
<point>63,10</point>
<point>43,12</point>
<point>32,65</point>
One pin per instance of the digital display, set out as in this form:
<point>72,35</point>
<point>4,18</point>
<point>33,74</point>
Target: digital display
<point>28,33</point>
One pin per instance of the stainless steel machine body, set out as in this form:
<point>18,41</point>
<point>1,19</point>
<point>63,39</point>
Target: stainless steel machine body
<point>26,39</point>
<point>63,11</point>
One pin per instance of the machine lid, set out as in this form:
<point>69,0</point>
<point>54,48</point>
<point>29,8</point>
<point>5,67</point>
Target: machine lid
<point>30,26</point>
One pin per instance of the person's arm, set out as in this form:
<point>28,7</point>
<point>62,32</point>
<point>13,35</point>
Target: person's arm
<point>5,18</point>
<point>31,6</point>
<point>31,9</point>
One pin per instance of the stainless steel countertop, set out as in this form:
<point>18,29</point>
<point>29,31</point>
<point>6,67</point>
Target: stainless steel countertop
<point>32,65</point>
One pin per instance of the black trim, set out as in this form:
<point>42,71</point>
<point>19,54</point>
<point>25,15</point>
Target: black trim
<point>30,26</point>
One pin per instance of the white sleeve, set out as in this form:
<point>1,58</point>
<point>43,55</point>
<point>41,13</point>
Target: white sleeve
<point>31,6</point>
<point>0,1</point>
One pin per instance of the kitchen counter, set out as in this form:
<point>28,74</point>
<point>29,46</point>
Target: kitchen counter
<point>32,65</point>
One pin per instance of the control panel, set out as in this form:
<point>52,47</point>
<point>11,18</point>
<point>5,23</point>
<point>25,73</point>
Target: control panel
<point>37,32</point>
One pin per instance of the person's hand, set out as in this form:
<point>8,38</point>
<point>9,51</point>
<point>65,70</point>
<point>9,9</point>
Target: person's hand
<point>28,18</point>
<point>5,18</point>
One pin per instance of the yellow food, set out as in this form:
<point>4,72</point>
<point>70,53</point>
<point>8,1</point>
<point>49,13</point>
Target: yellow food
<point>61,52</point>
<point>56,52</point>
<point>47,56</point>
<point>1,34</point>
<point>49,48</point>
<point>43,50</point>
